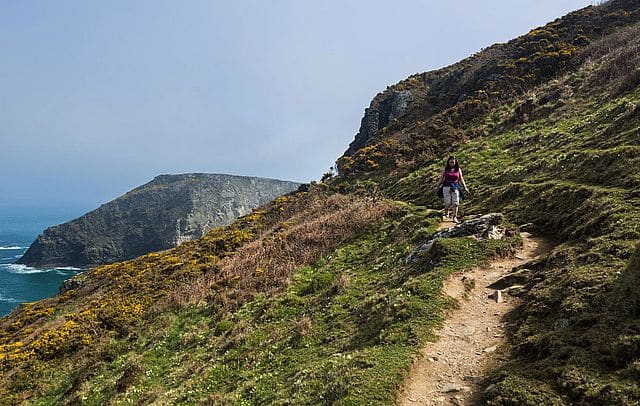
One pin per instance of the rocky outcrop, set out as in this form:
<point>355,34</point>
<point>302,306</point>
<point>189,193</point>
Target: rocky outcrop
<point>492,75</point>
<point>159,215</point>
<point>384,109</point>
<point>482,227</point>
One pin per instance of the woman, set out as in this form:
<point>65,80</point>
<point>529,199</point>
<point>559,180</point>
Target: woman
<point>450,181</point>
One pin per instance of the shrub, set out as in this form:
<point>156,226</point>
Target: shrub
<point>306,237</point>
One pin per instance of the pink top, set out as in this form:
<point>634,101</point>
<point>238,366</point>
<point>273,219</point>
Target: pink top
<point>451,177</point>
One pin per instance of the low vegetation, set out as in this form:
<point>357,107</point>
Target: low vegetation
<point>333,322</point>
<point>310,299</point>
<point>564,157</point>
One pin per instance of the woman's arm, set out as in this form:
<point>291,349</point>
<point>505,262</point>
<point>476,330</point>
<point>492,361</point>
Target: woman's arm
<point>464,185</point>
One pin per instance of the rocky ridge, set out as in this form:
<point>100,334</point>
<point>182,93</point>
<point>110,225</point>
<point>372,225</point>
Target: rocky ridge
<point>161,214</point>
<point>423,113</point>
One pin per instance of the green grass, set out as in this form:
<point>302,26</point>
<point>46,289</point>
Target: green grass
<point>574,174</point>
<point>344,328</point>
<point>345,331</point>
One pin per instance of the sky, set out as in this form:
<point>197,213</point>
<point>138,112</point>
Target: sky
<point>98,97</point>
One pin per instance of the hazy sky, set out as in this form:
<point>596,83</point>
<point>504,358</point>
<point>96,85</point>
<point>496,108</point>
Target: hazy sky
<point>97,97</point>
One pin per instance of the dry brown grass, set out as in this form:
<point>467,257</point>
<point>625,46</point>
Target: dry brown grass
<point>266,264</point>
<point>617,58</point>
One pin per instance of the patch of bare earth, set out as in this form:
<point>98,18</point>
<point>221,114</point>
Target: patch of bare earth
<point>453,369</point>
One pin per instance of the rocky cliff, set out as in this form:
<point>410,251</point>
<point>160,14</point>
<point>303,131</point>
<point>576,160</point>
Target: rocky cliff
<point>424,111</point>
<point>161,214</point>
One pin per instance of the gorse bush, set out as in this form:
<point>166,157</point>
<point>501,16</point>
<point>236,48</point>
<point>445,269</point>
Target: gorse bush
<point>116,298</point>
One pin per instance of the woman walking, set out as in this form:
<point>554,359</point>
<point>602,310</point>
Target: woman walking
<point>452,182</point>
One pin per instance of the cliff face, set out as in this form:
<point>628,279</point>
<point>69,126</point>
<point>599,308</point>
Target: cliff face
<point>159,215</point>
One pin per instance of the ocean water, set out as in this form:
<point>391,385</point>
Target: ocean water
<point>19,283</point>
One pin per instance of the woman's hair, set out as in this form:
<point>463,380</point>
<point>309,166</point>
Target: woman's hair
<point>456,167</point>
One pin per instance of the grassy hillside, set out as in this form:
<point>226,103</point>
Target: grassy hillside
<point>574,175</point>
<point>448,99</point>
<point>564,156</point>
<point>310,300</point>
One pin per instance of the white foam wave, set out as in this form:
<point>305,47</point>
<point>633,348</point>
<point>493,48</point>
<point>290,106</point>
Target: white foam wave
<point>24,269</point>
<point>12,247</point>
<point>69,268</point>
<point>7,299</point>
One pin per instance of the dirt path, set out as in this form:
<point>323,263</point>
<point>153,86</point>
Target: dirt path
<point>452,370</point>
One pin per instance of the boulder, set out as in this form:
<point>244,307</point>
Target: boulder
<point>481,227</point>
<point>494,233</point>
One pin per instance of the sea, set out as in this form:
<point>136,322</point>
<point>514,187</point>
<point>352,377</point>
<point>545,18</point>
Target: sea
<point>19,227</point>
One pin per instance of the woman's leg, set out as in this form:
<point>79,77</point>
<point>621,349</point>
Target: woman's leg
<point>447,201</point>
<point>454,214</point>
<point>455,203</point>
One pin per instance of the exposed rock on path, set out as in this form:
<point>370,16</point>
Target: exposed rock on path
<point>453,369</point>
<point>482,227</point>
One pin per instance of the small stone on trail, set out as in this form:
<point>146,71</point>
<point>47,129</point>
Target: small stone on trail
<point>526,227</point>
<point>490,388</point>
<point>497,296</point>
<point>457,401</point>
<point>519,277</point>
<point>433,359</point>
<point>452,388</point>
<point>473,379</point>
<point>490,349</point>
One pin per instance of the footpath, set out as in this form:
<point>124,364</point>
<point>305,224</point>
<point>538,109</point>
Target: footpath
<point>452,370</point>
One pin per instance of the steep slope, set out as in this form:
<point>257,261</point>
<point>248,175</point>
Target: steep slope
<point>428,113</point>
<point>161,214</point>
<point>564,156</point>
<point>311,298</point>
<point>307,300</point>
